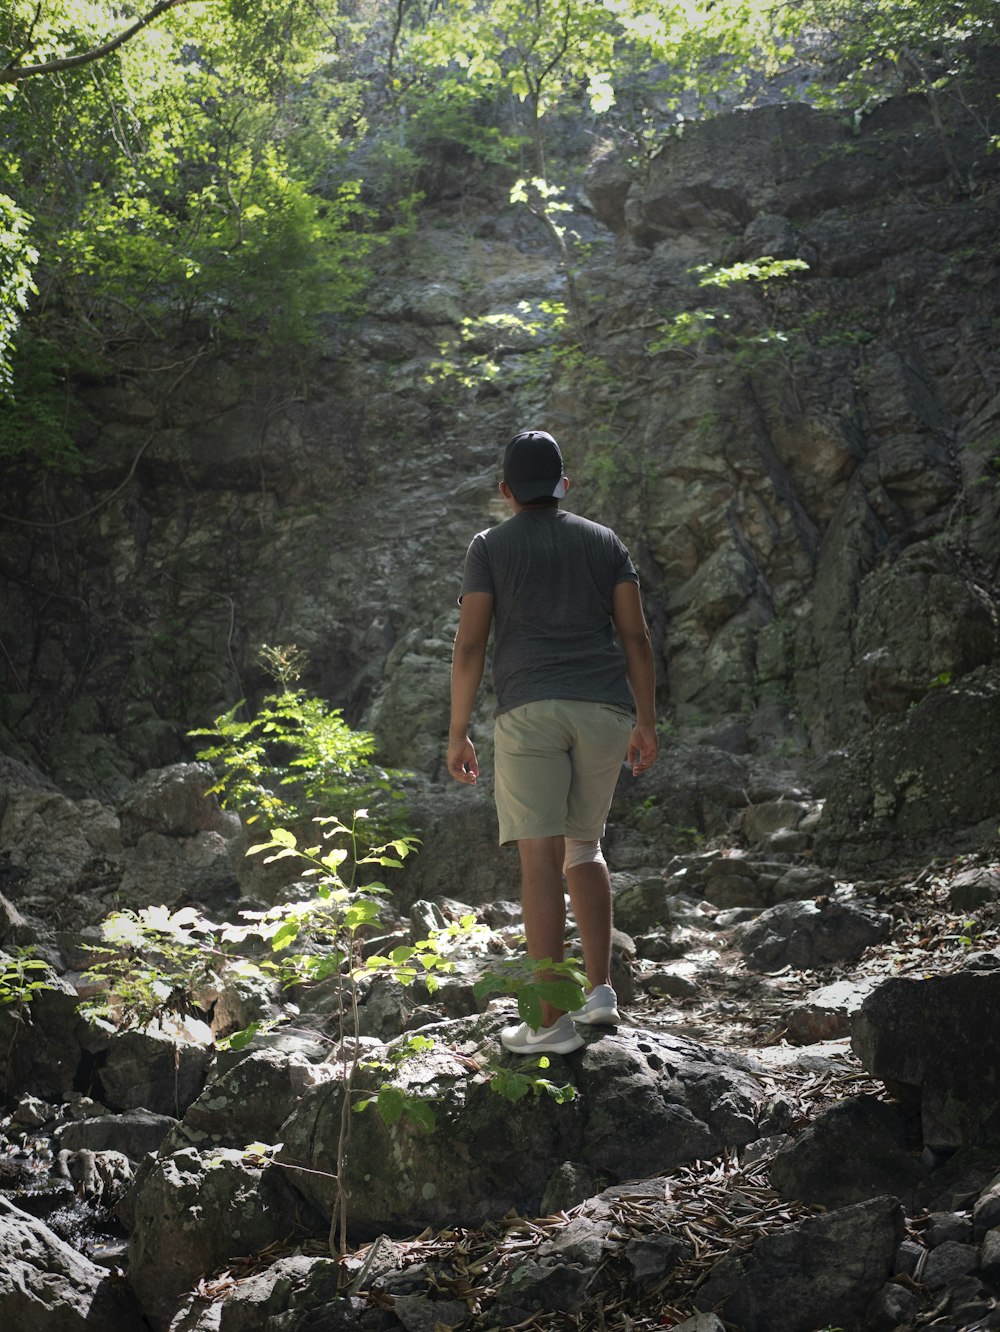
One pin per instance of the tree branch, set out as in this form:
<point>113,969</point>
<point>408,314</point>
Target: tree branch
<point>15,73</point>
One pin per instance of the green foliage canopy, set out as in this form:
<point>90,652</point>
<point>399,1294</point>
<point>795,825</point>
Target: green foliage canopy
<point>226,169</point>
<point>174,185</point>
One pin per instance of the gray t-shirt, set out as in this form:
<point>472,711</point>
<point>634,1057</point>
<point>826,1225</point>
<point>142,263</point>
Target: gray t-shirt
<point>552,575</point>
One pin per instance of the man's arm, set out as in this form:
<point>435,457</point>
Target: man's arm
<point>467,662</point>
<point>633,634</point>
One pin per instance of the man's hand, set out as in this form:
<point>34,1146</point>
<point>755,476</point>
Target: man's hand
<point>462,763</point>
<point>643,747</point>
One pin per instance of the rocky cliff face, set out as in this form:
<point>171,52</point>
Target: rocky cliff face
<point>805,469</point>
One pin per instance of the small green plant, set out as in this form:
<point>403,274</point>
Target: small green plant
<point>748,342</point>
<point>688,332</point>
<point>392,1103</point>
<point>764,270</point>
<point>534,982</point>
<point>684,838</point>
<point>153,964</point>
<point>968,933</point>
<point>22,977</point>
<point>514,1085</point>
<point>296,757</point>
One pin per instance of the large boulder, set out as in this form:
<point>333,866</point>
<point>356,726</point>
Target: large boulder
<point>45,1045</point>
<point>175,801</point>
<point>248,1102</point>
<point>934,1038</point>
<point>920,620</point>
<point>48,1286</point>
<point>806,935</point>
<point>820,1272</point>
<point>190,1212</point>
<point>854,1151</point>
<point>931,773</point>
<point>153,1070</point>
<point>645,1102</point>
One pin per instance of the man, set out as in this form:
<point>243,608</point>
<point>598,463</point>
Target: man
<point>557,589</point>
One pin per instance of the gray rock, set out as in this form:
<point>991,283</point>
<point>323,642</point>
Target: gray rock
<point>802,881</point>
<point>651,1257</point>
<point>46,1054</point>
<point>173,801</point>
<point>805,935</point>
<point>569,1184</point>
<point>253,1302</point>
<point>974,888</point>
<point>47,1286</point>
<point>770,235</point>
<point>56,844</point>
<point>607,183</point>
<point>733,881</point>
<point>910,1256</point>
<point>894,1306</point>
<point>929,1034</point>
<point>386,1009</point>
<point>646,1102</point>
<point>815,1273</point>
<point>853,1151</point>
<point>150,1070</point>
<point>825,1014</point>
<point>419,1313</point>
<point>425,917</point>
<point>986,1212</point>
<point>989,1256</point>
<point>534,1287</point>
<point>673,984</point>
<point>131,1132</point>
<point>248,1102</point>
<point>759,822</point>
<point>963,1180</point>
<point>190,1213</point>
<point>930,773</point>
<point>641,904</point>
<point>31,1112</point>
<point>949,1261</point>
<point>942,1226</point>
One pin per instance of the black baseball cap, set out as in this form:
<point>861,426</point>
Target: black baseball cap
<point>533,467</point>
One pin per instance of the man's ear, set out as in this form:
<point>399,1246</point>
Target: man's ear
<point>506,491</point>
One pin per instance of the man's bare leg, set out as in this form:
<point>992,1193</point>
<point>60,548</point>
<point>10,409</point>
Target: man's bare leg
<point>543,905</point>
<point>590,897</point>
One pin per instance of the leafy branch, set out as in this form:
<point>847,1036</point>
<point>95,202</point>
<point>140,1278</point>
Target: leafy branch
<point>15,72</point>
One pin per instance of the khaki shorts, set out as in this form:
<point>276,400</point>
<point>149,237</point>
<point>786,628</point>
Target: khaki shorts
<point>556,766</point>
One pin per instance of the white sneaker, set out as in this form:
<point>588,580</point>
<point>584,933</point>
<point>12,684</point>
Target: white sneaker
<point>561,1038</point>
<point>601,1007</point>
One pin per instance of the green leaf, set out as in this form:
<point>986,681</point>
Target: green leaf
<point>419,1111</point>
<point>562,994</point>
<point>361,913</point>
<point>529,1006</point>
<point>239,1040</point>
<point>285,935</point>
<point>391,1102</point>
